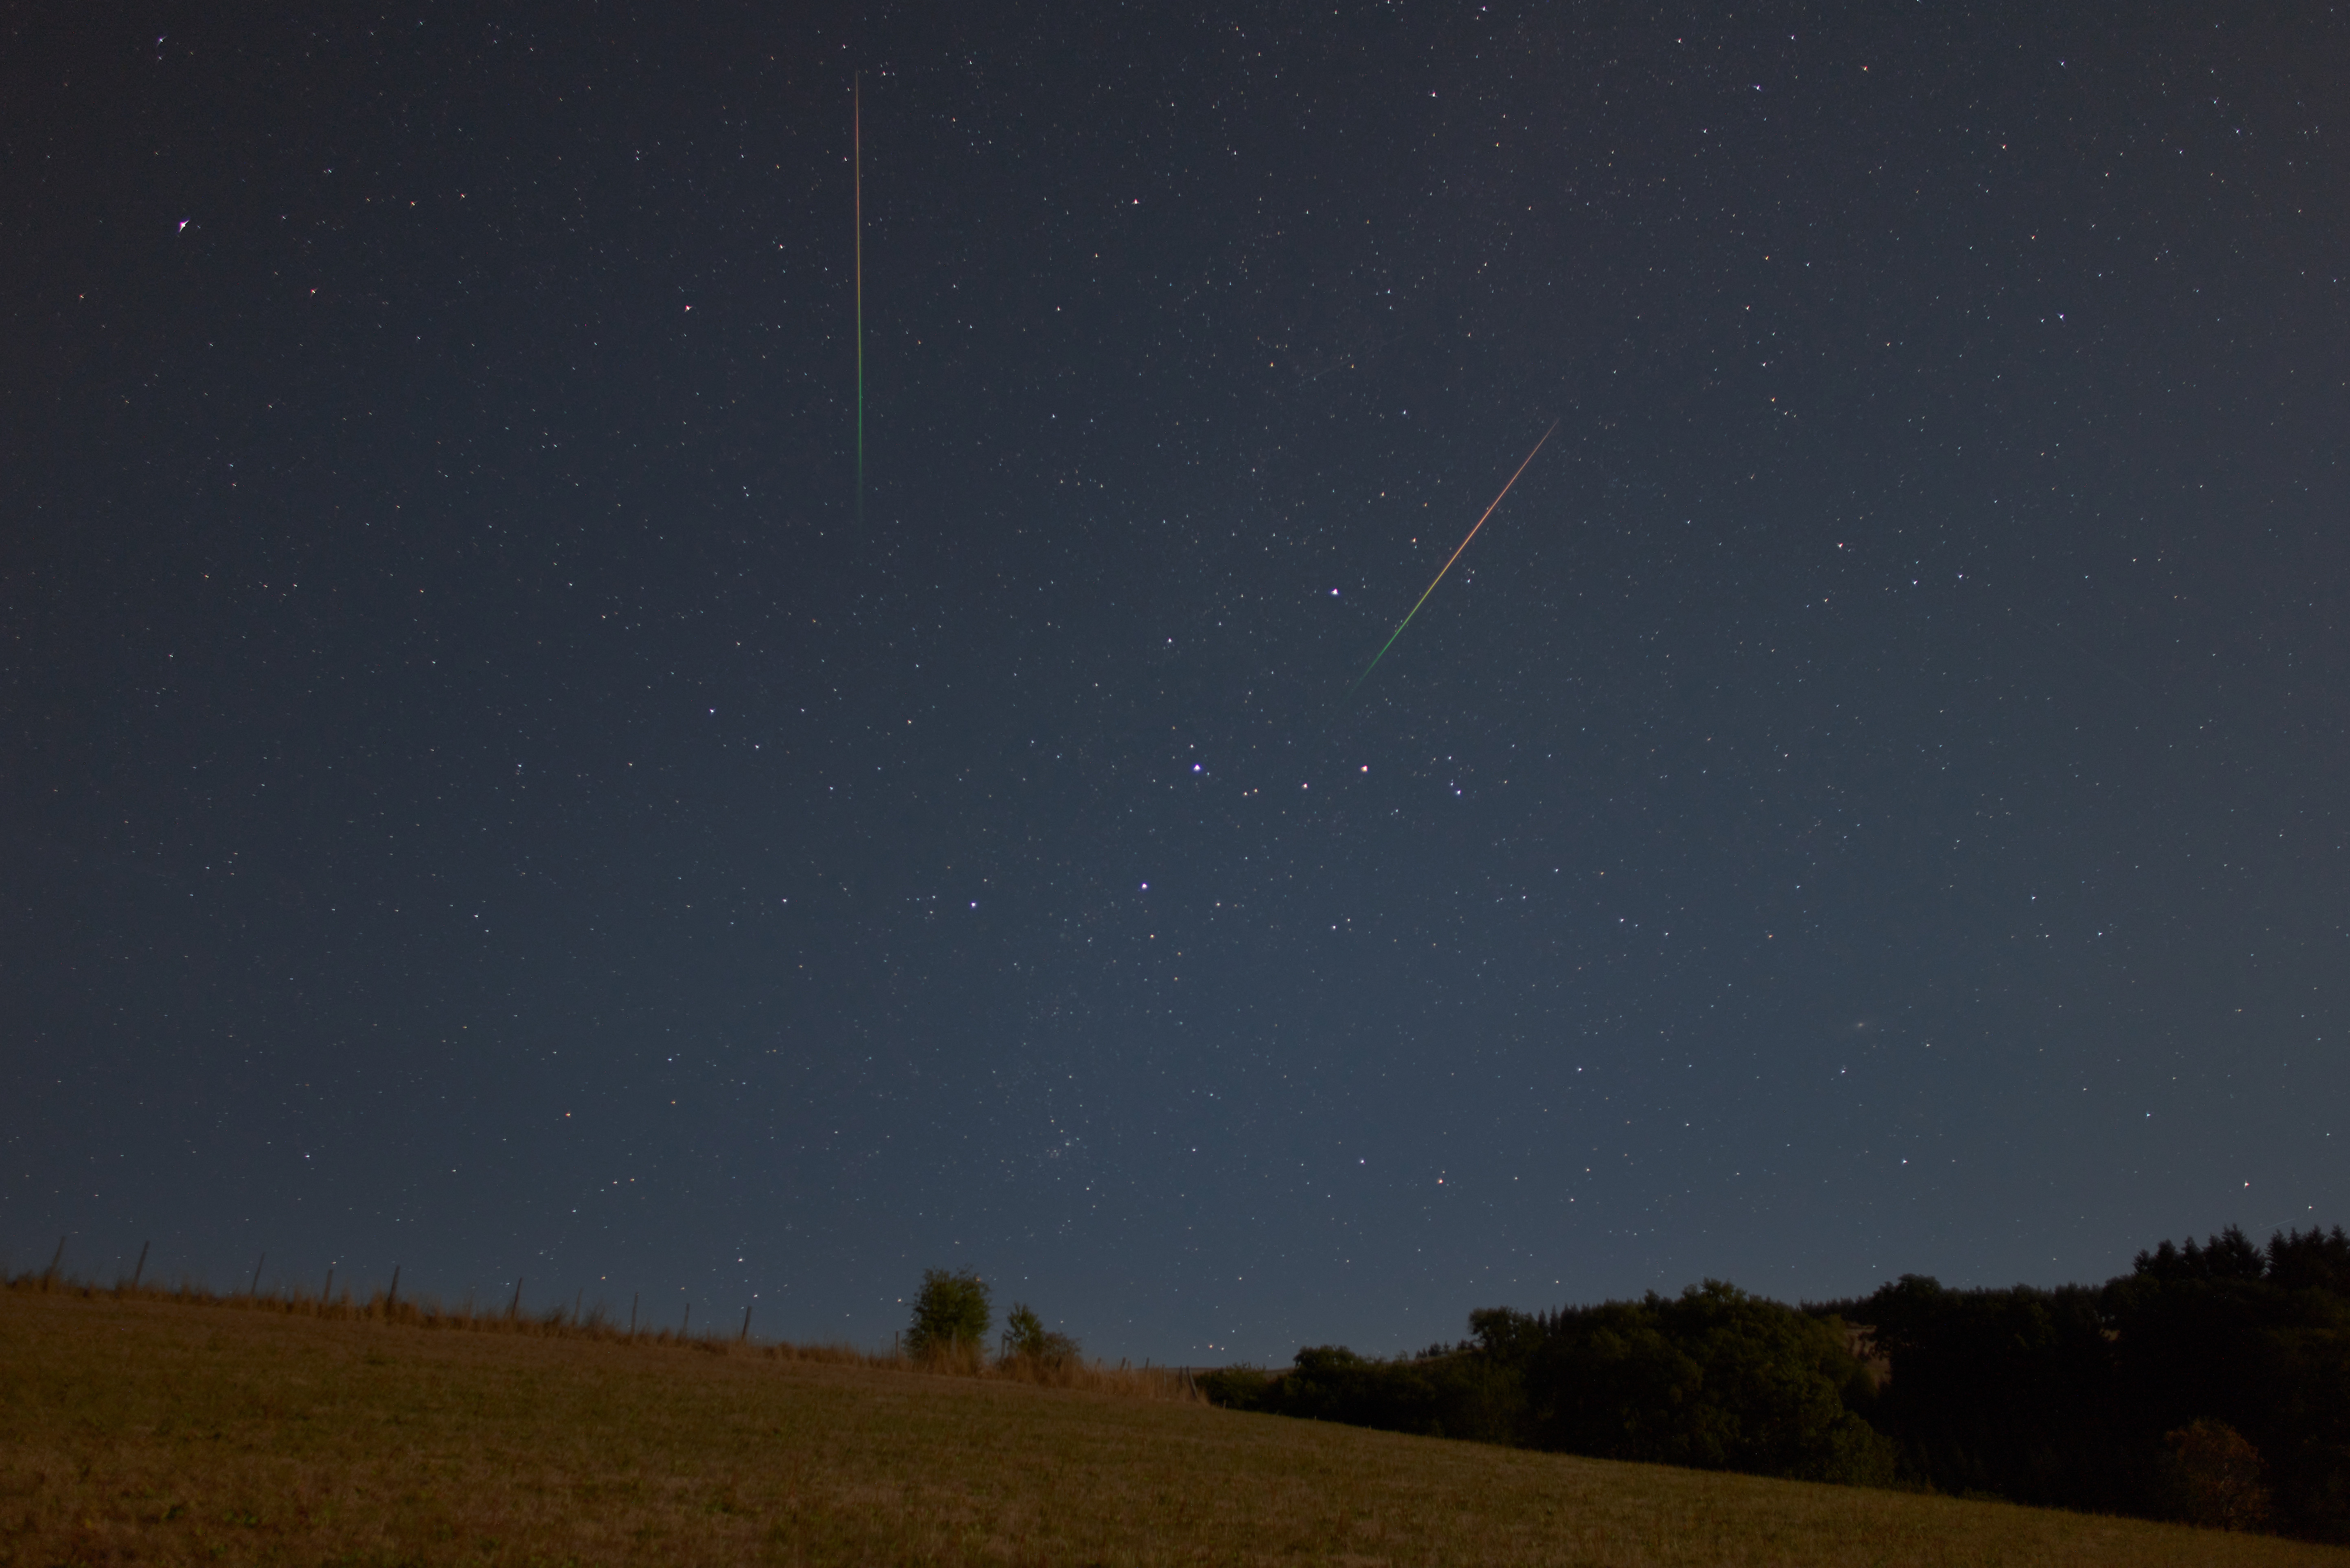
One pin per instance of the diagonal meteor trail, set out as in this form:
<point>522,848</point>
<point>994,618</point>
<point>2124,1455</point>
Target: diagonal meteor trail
<point>857,169</point>
<point>1382,653</point>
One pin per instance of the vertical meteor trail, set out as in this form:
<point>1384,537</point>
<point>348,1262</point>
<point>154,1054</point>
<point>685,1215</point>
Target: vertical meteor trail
<point>856,185</point>
<point>1397,632</point>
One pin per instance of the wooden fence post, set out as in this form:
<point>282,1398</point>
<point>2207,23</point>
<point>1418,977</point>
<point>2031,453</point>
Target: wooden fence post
<point>59,1257</point>
<point>688,1326</point>
<point>745,1337</point>
<point>514,1307</point>
<point>392,1294</point>
<point>142,1264</point>
<point>255,1288</point>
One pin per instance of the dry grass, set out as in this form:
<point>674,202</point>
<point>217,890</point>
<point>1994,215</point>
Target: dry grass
<point>428,1312</point>
<point>152,1431</point>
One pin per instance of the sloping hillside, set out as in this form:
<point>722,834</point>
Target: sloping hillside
<point>156,1432</point>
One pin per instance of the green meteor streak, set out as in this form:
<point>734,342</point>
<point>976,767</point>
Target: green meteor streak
<point>1382,653</point>
<point>857,179</point>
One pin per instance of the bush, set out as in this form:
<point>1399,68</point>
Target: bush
<point>950,1315</point>
<point>1032,1341</point>
<point>1449,1393</point>
<point>1236,1388</point>
<point>2214,1477</point>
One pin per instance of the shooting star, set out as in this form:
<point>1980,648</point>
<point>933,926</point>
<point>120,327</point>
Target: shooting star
<point>857,177</point>
<point>1382,653</point>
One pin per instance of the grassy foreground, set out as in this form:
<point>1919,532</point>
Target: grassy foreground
<point>152,1431</point>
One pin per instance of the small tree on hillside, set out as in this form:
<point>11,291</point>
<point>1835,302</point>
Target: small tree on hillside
<point>953,1310</point>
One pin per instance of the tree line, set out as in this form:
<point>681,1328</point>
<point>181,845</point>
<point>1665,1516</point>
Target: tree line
<point>2211,1383</point>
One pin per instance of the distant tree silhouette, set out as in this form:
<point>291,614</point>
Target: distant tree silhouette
<point>951,1312</point>
<point>2310,1262</point>
<point>2212,1382</point>
<point>2007,1391</point>
<point>2109,1398</point>
<point>1714,1378</point>
<point>2255,1339</point>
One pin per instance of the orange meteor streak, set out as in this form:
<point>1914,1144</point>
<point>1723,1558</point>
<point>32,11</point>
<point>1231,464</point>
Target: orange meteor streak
<point>1488,511</point>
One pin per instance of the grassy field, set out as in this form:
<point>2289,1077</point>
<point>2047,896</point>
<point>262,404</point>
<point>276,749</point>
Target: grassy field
<point>152,1431</point>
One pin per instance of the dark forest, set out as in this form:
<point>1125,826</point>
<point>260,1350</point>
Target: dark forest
<point>2211,1383</point>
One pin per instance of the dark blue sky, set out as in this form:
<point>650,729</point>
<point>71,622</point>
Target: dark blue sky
<point>474,796</point>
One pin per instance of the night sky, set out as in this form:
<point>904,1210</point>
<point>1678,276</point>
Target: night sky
<point>477,795</point>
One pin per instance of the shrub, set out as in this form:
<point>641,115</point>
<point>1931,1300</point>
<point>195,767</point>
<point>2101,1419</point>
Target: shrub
<point>1236,1388</point>
<point>950,1315</point>
<point>1453,1394</point>
<point>2215,1477</point>
<point>1032,1341</point>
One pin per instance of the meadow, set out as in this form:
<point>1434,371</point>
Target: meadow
<point>150,1428</point>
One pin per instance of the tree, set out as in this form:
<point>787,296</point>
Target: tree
<point>952,1312</point>
<point>1713,1378</point>
<point>2012,1391</point>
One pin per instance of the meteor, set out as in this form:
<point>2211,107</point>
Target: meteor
<point>856,177</point>
<point>1382,653</point>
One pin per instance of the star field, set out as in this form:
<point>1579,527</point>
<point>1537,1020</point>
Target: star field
<point>473,796</point>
